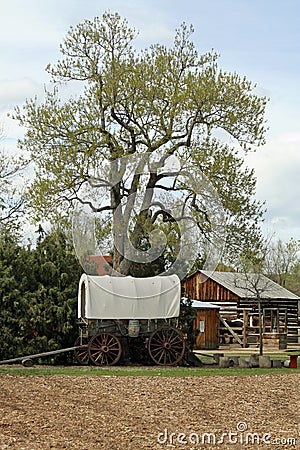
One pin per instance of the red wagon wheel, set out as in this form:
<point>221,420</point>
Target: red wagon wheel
<point>104,349</point>
<point>166,346</point>
<point>81,354</point>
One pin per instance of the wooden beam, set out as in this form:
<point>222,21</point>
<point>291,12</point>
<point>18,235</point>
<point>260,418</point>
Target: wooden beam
<point>245,328</point>
<point>236,337</point>
<point>40,355</point>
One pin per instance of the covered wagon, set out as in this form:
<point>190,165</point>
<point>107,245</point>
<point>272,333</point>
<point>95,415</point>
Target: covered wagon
<point>127,318</point>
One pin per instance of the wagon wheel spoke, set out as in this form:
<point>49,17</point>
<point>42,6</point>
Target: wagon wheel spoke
<point>166,346</point>
<point>164,356</point>
<point>81,354</point>
<point>104,349</point>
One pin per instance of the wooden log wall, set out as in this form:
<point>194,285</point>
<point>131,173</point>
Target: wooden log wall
<point>199,287</point>
<point>290,305</point>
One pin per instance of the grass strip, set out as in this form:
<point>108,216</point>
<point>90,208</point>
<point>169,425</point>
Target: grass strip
<point>138,371</point>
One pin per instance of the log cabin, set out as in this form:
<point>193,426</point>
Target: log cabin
<point>240,293</point>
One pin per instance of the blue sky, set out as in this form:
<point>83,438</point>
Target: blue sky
<point>256,38</point>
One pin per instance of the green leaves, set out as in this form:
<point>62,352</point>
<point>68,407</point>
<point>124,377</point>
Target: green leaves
<point>160,101</point>
<point>91,46</point>
<point>38,295</point>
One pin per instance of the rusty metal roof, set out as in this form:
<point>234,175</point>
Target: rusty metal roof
<point>250,285</point>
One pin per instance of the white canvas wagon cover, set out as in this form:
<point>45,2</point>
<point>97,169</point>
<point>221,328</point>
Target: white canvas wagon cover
<point>107,297</point>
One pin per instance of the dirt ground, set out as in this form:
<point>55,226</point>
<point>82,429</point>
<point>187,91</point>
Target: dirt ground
<point>122,413</point>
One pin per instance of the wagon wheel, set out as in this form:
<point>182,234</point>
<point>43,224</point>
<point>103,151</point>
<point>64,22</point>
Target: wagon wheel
<point>104,349</point>
<point>81,354</point>
<point>166,346</point>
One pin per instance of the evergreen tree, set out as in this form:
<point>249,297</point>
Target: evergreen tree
<point>15,279</point>
<point>38,295</point>
<point>53,305</point>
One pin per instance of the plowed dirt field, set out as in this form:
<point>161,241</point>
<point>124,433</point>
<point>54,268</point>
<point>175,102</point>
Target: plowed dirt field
<point>122,413</point>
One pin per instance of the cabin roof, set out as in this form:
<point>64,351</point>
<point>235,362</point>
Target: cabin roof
<point>249,285</point>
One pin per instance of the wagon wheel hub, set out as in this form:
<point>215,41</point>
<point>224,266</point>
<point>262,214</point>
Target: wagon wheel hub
<point>104,349</point>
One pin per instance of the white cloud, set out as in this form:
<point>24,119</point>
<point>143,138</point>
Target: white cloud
<point>25,23</point>
<point>277,168</point>
<point>293,136</point>
<point>16,91</point>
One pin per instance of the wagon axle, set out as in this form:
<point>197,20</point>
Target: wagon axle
<point>166,346</point>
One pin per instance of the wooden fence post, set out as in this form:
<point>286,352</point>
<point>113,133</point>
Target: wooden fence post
<point>245,328</point>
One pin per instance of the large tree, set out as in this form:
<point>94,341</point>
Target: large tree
<point>110,145</point>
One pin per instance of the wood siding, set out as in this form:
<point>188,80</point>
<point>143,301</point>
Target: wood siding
<point>209,338</point>
<point>199,287</point>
